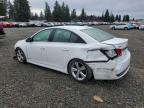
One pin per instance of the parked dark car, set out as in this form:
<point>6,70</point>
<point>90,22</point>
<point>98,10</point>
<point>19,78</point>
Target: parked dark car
<point>2,33</point>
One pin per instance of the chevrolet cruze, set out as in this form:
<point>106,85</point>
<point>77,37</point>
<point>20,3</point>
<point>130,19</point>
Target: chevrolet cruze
<point>81,51</point>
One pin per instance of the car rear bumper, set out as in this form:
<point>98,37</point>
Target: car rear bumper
<point>111,70</point>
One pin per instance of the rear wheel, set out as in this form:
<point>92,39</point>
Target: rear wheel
<point>20,56</point>
<point>113,28</point>
<point>126,28</point>
<point>79,70</point>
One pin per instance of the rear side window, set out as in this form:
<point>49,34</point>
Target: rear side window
<point>75,39</point>
<point>42,36</point>
<point>61,35</point>
<point>97,34</point>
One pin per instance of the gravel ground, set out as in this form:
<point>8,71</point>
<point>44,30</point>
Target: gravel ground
<point>30,86</point>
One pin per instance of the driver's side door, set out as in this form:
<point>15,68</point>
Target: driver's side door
<point>36,50</point>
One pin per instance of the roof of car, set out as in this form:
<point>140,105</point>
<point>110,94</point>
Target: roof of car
<point>72,27</point>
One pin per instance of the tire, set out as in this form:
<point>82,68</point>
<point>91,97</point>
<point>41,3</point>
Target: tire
<point>80,71</point>
<point>125,28</point>
<point>113,28</point>
<point>20,56</point>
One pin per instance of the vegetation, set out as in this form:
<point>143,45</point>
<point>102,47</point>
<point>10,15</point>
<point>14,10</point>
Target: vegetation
<point>126,18</point>
<point>11,11</point>
<point>19,10</point>
<point>3,7</point>
<point>47,11</point>
<point>73,15</point>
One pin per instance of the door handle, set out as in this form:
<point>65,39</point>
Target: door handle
<point>65,49</point>
<point>42,48</point>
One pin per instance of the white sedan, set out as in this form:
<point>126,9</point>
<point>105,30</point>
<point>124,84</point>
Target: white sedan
<point>128,26</point>
<point>81,51</point>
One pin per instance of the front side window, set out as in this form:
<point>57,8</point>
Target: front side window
<point>61,35</point>
<point>97,34</point>
<point>42,36</point>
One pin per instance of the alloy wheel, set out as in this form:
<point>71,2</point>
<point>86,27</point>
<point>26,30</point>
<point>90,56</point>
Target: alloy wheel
<point>79,71</point>
<point>20,56</point>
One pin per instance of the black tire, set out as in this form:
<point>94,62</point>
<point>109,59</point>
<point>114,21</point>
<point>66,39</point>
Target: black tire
<point>113,28</point>
<point>87,71</point>
<point>126,28</point>
<point>21,59</point>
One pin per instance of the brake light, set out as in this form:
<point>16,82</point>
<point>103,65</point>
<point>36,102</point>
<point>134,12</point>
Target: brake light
<point>118,52</point>
<point>112,53</point>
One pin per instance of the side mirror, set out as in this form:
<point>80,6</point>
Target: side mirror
<point>29,39</point>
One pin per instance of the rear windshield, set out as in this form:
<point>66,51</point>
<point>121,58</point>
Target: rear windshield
<point>97,34</point>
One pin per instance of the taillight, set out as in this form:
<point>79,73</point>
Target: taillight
<point>118,52</point>
<point>112,53</point>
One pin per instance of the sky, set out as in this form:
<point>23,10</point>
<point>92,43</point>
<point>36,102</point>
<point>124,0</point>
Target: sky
<point>135,8</point>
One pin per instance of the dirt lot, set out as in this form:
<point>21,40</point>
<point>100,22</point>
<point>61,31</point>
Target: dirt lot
<point>30,86</point>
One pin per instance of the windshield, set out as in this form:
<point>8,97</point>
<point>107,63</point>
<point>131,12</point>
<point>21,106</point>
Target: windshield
<point>98,34</point>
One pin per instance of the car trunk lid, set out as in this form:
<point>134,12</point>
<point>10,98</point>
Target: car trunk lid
<point>120,43</point>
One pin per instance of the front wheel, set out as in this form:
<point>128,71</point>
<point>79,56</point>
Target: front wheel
<point>79,70</point>
<point>20,56</point>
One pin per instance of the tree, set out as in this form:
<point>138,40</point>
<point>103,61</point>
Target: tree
<point>73,15</point>
<point>119,18</point>
<point>57,12</point>
<point>22,10</point>
<point>126,18</point>
<point>83,15</point>
<point>107,16</point>
<point>67,14</point>
<point>32,16</point>
<point>47,11</point>
<point>3,7</point>
<point>103,16</point>
<point>36,17</point>
<point>41,16</point>
<point>63,12</point>
<point>111,18</point>
<point>11,11</point>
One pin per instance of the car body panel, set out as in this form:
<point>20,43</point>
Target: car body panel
<point>141,27</point>
<point>117,42</point>
<point>57,55</point>
<point>122,26</point>
<point>111,69</point>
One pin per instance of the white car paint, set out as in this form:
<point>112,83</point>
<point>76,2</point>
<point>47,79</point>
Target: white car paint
<point>122,26</point>
<point>141,27</point>
<point>56,55</point>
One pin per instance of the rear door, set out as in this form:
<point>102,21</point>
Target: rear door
<point>36,49</point>
<point>60,48</point>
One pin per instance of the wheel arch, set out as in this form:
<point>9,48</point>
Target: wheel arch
<point>24,51</point>
<point>88,67</point>
<point>18,48</point>
<point>76,59</point>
